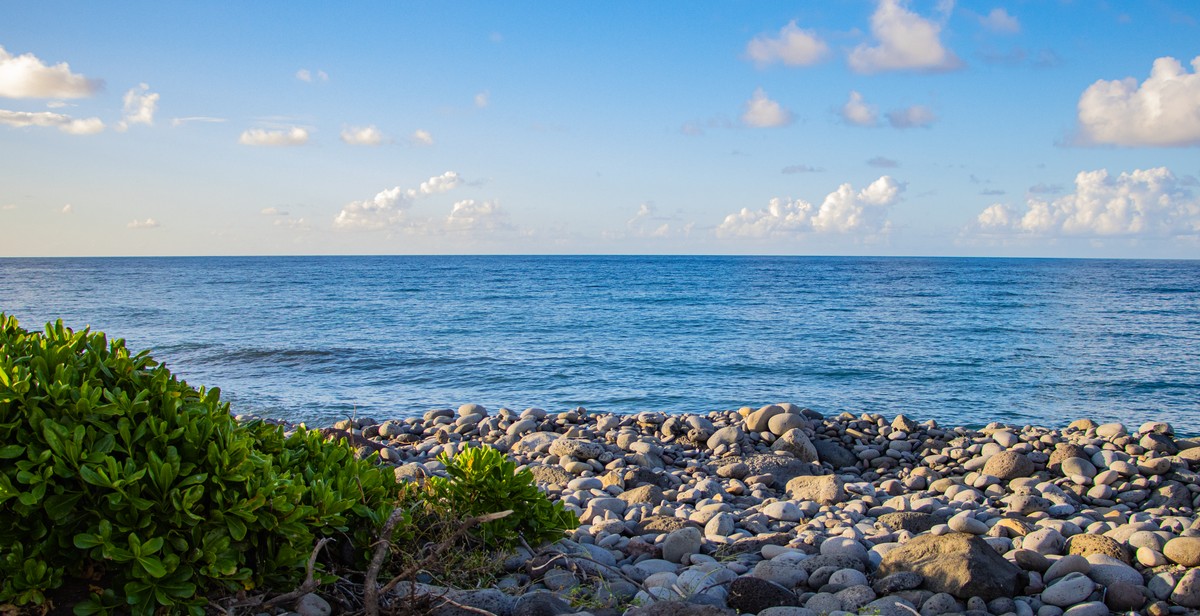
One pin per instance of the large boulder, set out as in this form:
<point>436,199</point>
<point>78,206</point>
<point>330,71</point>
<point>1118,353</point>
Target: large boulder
<point>834,453</point>
<point>782,468</point>
<point>956,563</point>
<point>823,489</point>
<point>796,442</point>
<point>1008,465</point>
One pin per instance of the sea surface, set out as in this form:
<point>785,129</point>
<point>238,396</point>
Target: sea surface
<point>962,341</point>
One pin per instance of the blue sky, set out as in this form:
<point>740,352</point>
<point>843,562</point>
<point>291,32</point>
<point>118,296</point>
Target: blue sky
<point>848,127</point>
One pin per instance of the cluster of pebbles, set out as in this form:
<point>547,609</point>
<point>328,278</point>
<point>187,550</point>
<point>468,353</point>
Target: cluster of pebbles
<point>780,511</point>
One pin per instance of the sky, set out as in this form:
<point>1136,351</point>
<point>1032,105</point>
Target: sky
<point>851,127</point>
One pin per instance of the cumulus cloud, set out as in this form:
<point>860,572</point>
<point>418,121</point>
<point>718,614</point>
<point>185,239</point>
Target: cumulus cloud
<point>793,47</point>
<point>762,112</point>
<point>308,76</point>
<point>68,209</point>
<point>390,207</point>
<point>998,20</point>
<point>906,41</point>
<point>279,138</point>
<point>471,215</point>
<point>140,105</point>
<point>362,135</point>
<point>149,223</point>
<point>1150,202</point>
<point>25,76</point>
<point>482,99</point>
<point>856,111</point>
<point>64,123</point>
<point>917,116</point>
<point>421,137</point>
<point>842,211</point>
<point>1161,111</point>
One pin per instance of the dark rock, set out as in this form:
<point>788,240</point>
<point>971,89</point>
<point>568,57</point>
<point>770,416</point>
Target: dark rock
<point>550,474</point>
<point>1171,494</point>
<point>678,608</point>
<point>540,603</point>
<point>903,580</point>
<point>957,563</point>
<point>834,453</point>
<point>1062,452</point>
<point>663,524</point>
<point>824,560</point>
<point>1123,597</point>
<point>782,468</point>
<point>754,544</point>
<point>750,595</point>
<point>914,522</point>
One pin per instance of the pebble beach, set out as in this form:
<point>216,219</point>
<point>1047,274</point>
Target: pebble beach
<point>779,511</point>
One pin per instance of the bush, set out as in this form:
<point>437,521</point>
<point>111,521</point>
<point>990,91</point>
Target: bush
<point>113,470</point>
<point>481,481</point>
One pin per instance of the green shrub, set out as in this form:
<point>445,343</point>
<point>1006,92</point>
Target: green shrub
<point>113,469</point>
<point>481,481</point>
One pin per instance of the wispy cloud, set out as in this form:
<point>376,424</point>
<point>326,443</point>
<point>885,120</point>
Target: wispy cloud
<point>148,223</point>
<point>64,123</point>
<point>273,211</point>
<point>917,116</point>
<point>421,137</point>
<point>998,20</point>
<point>791,169</point>
<point>308,76</point>
<point>140,105</point>
<point>177,122</point>
<point>792,47</point>
<point>1160,112</point>
<point>883,162</point>
<point>275,138</point>
<point>483,99</point>
<point>26,76</point>
<point>67,209</point>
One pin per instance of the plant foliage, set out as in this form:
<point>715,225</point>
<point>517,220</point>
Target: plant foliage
<point>112,469</point>
<point>482,480</point>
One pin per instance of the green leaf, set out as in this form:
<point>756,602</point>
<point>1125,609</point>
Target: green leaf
<point>152,565</point>
<point>9,452</point>
<point>237,528</point>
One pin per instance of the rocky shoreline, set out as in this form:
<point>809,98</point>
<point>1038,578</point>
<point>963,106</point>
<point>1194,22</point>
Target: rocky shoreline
<point>779,511</point>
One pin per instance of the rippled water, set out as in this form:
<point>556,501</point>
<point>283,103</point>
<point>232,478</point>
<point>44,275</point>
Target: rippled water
<point>963,341</point>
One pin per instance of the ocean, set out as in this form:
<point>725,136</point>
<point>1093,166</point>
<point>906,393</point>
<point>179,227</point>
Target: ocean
<point>964,341</point>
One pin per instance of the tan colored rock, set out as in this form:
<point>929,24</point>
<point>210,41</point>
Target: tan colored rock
<point>1183,550</point>
<point>759,421</point>
<point>1008,465</point>
<point>956,563</point>
<point>823,489</point>
<point>1086,545</point>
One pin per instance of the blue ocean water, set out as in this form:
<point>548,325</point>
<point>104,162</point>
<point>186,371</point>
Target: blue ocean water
<point>962,341</point>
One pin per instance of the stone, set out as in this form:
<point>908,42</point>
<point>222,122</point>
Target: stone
<point>1106,570</point>
<point>781,423</point>
<point>1044,541</point>
<point>720,525</point>
<point>834,453</point>
<point>1066,565</point>
<point>651,494</point>
<point>1078,467</point>
<point>845,548</point>
<point>540,603</point>
<point>845,578</point>
<point>914,522</point>
<point>759,421</point>
<point>1111,430</point>
<point>889,606</point>
<point>854,597</point>
<point>823,489</point>
<point>1123,597</point>
<point>1187,591</point>
<point>786,511</point>
<point>535,442</point>
<point>940,603</point>
<point>313,605</point>
<point>576,448</point>
<point>729,435</point>
<point>1008,465</point>
<point>896,582</point>
<point>824,603</point>
<point>796,442</point>
<point>751,595</point>
<point>550,475</point>
<point>1091,608</point>
<point>663,524</point>
<point>1086,545</point>
<point>1069,590</point>
<point>964,522</point>
<point>787,611</point>
<point>782,468</point>
<point>785,572</point>
<point>680,543</point>
<point>678,608</point>
<point>956,563</point>
<point>1183,550</point>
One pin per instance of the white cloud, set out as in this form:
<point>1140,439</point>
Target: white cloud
<point>421,137</point>
<point>470,215</point>
<point>389,207</point>
<point>1163,111</point>
<point>64,123</point>
<point>308,76</point>
<point>362,135</point>
<point>57,104</point>
<point>68,209</point>
<point>177,122</point>
<point>762,112</point>
<point>292,223</point>
<point>998,20</point>
<point>482,99</point>
<point>793,47</point>
<point>140,104</point>
<point>260,136</point>
<point>906,41</point>
<point>273,211</point>
<point>917,116</point>
<point>1150,202</point>
<point>857,112</point>
<point>149,223</point>
<point>842,211</point>
<point>25,76</point>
